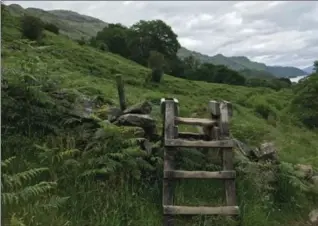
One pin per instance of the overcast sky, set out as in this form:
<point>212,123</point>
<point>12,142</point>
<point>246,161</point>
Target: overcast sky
<point>275,33</point>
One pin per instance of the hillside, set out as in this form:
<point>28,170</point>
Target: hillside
<point>60,167</point>
<point>309,69</point>
<point>70,23</point>
<point>76,26</point>
<point>240,63</point>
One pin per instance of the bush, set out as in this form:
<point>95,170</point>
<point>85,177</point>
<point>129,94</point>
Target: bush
<point>305,103</point>
<point>156,63</point>
<point>52,28</point>
<point>32,27</point>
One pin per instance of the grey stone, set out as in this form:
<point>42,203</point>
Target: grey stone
<point>266,151</point>
<point>140,108</point>
<point>143,121</point>
<point>113,114</point>
<point>304,171</point>
<point>313,217</point>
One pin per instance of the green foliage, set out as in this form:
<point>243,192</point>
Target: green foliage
<point>32,27</point>
<point>52,28</point>
<point>156,62</point>
<point>305,102</point>
<point>97,172</point>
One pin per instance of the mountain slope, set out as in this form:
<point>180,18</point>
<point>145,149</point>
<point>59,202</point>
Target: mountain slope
<point>309,70</point>
<point>239,63</point>
<point>70,23</point>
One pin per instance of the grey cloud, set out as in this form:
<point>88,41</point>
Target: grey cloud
<point>276,33</point>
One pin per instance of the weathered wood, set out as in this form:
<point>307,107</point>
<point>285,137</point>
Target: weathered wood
<point>227,155</point>
<point>214,108</point>
<point>203,210</point>
<point>199,143</point>
<point>200,174</point>
<point>170,131</point>
<point>121,92</point>
<point>195,121</point>
<point>188,135</point>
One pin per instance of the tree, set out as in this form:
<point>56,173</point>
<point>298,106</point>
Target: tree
<point>52,28</point>
<point>156,62</point>
<point>305,103</point>
<point>32,27</point>
<point>316,66</point>
<point>114,36</point>
<point>153,35</point>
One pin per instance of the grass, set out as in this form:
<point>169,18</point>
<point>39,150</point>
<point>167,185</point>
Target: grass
<point>122,198</point>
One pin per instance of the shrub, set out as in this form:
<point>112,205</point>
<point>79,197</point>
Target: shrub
<point>52,28</point>
<point>32,27</point>
<point>156,63</point>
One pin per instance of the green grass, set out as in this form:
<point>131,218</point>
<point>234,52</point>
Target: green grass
<point>124,200</point>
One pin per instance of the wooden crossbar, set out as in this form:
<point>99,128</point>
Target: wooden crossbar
<point>216,135</point>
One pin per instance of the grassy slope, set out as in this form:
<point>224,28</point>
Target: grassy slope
<point>92,72</point>
<point>76,26</point>
<point>72,24</point>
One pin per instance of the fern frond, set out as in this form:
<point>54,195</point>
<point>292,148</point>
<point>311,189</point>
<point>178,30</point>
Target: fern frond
<point>36,190</point>
<point>16,180</point>
<point>5,163</point>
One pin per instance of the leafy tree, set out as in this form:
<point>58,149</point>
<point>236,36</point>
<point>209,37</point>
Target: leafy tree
<point>156,62</point>
<point>52,28</point>
<point>153,35</point>
<point>115,37</point>
<point>316,66</point>
<point>305,103</point>
<point>32,27</point>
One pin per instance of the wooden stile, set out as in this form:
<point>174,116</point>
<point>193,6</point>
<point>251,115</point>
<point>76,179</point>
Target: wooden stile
<point>216,135</point>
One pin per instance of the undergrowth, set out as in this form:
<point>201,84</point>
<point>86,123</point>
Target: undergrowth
<point>61,166</point>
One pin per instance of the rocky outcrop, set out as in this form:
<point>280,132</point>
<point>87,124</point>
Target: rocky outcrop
<point>313,217</point>
<point>304,171</point>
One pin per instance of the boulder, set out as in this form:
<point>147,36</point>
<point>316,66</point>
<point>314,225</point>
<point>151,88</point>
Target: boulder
<point>144,145</point>
<point>304,171</point>
<point>313,217</point>
<point>143,121</point>
<point>243,148</point>
<point>140,108</point>
<point>267,151</point>
<point>113,114</point>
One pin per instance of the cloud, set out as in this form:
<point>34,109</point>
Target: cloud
<point>276,33</point>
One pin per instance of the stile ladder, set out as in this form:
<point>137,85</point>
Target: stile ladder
<point>216,136</point>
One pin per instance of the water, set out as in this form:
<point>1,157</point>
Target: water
<point>296,79</point>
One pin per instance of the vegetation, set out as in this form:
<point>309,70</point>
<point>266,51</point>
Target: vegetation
<point>52,28</point>
<point>32,27</point>
<point>60,167</point>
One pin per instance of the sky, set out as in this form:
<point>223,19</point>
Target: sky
<point>281,33</point>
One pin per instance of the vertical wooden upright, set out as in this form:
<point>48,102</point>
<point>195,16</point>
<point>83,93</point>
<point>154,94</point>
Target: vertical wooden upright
<point>216,135</point>
<point>170,131</point>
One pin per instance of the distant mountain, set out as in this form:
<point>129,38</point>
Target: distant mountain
<point>309,70</point>
<point>70,23</point>
<point>76,26</point>
<point>242,63</point>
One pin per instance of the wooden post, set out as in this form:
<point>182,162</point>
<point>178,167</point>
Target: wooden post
<point>121,92</point>
<point>227,157</point>
<point>170,131</point>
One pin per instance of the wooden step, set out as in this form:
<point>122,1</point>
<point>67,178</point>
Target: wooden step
<point>196,136</point>
<point>195,121</point>
<point>200,210</point>
<point>199,143</point>
<point>229,174</point>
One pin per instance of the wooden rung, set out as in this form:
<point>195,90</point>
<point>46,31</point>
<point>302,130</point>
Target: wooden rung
<point>187,135</point>
<point>195,121</point>
<point>200,210</point>
<point>199,143</point>
<point>229,174</point>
